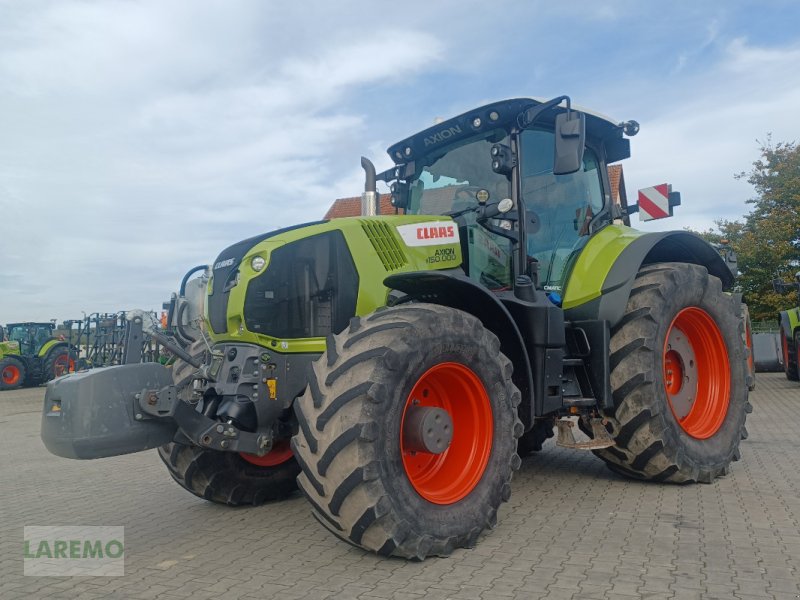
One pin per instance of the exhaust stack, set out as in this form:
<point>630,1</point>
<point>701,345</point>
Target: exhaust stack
<point>369,199</point>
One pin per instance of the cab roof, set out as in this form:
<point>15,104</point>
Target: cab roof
<point>503,115</point>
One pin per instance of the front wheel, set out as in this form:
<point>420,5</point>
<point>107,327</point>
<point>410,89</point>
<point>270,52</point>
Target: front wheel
<point>12,373</point>
<point>678,378</point>
<point>407,432</point>
<point>231,478</point>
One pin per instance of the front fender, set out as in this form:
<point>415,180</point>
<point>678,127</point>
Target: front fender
<point>603,274</point>
<point>452,288</point>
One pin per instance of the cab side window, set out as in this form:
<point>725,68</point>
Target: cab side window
<point>560,207</point>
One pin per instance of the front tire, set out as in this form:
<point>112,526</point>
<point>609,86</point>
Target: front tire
<point>230,478</point>
<point>12,373</point>
<point>678,378</point>
<point>366,479</point>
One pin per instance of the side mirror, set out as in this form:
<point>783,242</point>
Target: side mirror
<point>570,130</point>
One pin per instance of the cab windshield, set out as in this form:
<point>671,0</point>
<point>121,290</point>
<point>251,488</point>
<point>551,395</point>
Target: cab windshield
<point>452,179</point>
<point>457,179</point>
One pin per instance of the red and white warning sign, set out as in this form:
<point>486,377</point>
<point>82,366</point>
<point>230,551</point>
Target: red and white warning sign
<point>654,202</point>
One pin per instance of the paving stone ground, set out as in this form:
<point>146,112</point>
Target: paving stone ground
<point>572,529</point>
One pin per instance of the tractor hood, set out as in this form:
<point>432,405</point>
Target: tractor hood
<point>225,273</point>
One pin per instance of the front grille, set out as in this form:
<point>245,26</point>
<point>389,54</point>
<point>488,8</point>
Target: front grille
<point>385,243</point>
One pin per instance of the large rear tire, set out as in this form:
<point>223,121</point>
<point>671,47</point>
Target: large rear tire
<point>791,357</point>
<point>748,342</point>
<point>368,480</point>
<point>678,378</point>
<point>12,373</point>
<point>797,348</point>
<point>59,362</point>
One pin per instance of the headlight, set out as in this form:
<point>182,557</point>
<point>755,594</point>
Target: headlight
<point>257,263</point>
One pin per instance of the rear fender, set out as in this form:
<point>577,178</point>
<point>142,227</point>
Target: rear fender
<point>452,288</point>
<point>601,280</point>
<point>789,323</point>
<point>49,346</point>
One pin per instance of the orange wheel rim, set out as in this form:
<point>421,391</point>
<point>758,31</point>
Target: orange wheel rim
<point>63,365</point>
<point>11,375</point>
<point>280,453</point>
<point>696,373</point>
<point>450,476</point>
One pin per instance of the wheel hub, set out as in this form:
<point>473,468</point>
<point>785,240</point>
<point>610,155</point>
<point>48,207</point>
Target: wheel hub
<point>427,429</point>
<point>10,375</point>
<point>680,372</point>
<point>446,433</point>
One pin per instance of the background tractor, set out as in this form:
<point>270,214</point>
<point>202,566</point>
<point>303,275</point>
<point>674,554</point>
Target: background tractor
<point>397,367</point>
<point>789,322</point>
<point>30,355</point>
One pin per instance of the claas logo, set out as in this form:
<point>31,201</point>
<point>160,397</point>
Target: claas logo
<point>428,233</point>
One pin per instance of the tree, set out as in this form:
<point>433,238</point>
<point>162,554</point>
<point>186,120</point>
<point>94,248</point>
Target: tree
<point>767,242</point>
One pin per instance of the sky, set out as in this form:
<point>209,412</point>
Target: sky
<point>140,138</point>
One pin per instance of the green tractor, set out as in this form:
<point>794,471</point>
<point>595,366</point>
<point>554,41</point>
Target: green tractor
<point>31,355</point>
<point>397,367</point>
<point>789,322</point>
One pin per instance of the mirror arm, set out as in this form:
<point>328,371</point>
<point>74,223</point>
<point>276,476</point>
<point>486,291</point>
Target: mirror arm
<point>526,118</point>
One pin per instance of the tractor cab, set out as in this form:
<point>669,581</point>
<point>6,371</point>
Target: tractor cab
<point>31,336</point>
<point>548,159</point>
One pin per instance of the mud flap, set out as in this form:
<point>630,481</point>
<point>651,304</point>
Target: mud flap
<point>93,414</point>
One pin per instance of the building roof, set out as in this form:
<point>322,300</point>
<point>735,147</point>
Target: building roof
<point>351,207</point>
<point>614,179</point>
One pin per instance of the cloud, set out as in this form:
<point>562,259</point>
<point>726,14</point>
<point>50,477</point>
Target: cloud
<point>141,138</point>
<point>704,130</point>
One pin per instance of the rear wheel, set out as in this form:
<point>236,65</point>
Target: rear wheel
<point>678,378</point>
<point>407,432</point>
<point>12,373</point>
<point>797,348</point>
<point>58,363</point>
<point>748,342</point>
<point>791,358</point>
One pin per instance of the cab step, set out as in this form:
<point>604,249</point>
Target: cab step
<point>600,438</point>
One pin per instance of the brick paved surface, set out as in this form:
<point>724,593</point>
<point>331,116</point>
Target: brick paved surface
<point>571,530</point>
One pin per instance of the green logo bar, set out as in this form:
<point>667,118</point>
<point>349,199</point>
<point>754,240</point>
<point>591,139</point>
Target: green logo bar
<point>74,550</point>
